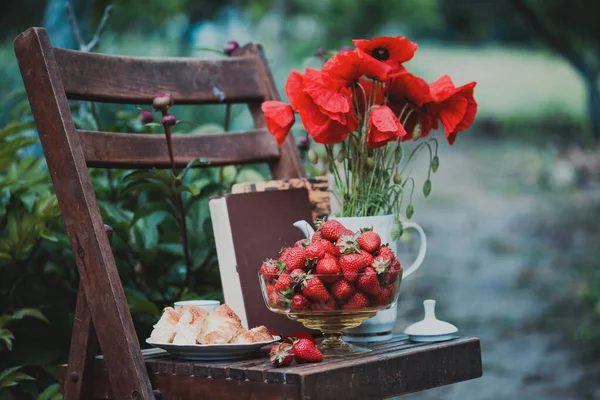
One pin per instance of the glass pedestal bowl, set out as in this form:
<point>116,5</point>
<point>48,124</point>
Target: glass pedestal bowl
<point>331,303</point>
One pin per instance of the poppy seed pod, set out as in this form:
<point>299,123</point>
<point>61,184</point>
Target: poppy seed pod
<point>313,157</point>
<point>162,102</point>
<point>397,179</point>
<point>146,117</point>
<point>435,164</point>
<point>169,120</point>
<point>370,164</point>
<point>341,156</point>
<point>230,47</point>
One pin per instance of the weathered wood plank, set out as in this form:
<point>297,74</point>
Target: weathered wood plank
<point>127,150</point>
<point>122,79</point>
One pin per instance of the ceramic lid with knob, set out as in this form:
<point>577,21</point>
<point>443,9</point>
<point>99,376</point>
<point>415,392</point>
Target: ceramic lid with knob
<point>431,329</point>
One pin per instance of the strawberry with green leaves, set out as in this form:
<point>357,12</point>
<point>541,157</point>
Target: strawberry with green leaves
<point>351,265</point>
<point>270,269</point>
<point>305,351</point>
<point>348,244</point>
<point>369,240</point>
<point>368,281</point>
<point>282,354</point>
<point>294,257</point>
<point>386,252</point>
<point>331,229</point>
<point>315,251</point>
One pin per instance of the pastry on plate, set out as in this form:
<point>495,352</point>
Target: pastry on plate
<point>220,326</point>
<point>164,330</point>
<point>258,334</point>
<point>190,325</point>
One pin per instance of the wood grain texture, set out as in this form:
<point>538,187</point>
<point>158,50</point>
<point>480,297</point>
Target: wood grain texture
<point>81,215</point>
<point>122,79</point>
<point>290,164</point>
<point>127,150</point>
<point>393,368</point>
<point>84,346</point>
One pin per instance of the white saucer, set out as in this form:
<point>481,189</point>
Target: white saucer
<point>212,352</point>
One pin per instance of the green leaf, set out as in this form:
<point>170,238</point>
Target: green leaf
<point>139,303</point>
<point>147,211</point>
<point>138,174</point>
<point>16,127</point>
<point>30,312</point>
<point>12,376</point>
<point>184,121</point>
<point>187,188</point>
<point>5,256</point>
<point>151,185</point>
<point>152,124</point>
<point>193,163</point>
<point>52,392</point>
<point>13,228</point>
<point>7,337</point>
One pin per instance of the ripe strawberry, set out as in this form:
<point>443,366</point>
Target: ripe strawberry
<point>329,247</point>
<point>315,251</point>
<point>386,252</point>
<point>305,351</point>
<point>316,237</point>
<point>327,305</point>
<point>358,300</point>
<point>368,257</point>
<point>394,271</point>
<point>328,266</point>
<point>297,275</point>
<point>369,241</point>
<point>315,290</point>
<point>342,289</point>
<point>294,257</point>
<point>299,302</point>
<point>351,265</point>
<point>283,282</point>
<point>276,300</point>
<point>270,269</point>
<point>282,354</point>
<point>332,230</point>
<point>302,243</point>
<point>384,297</point>
<point>368,282</point>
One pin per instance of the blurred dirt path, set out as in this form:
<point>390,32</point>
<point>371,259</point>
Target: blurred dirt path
<point>477,267</point>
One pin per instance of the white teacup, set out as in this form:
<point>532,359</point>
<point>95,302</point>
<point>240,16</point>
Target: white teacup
<point>208,305</point>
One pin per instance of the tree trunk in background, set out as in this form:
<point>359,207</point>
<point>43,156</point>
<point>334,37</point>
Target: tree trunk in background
<point>591,83</point>
<point>57,24</point>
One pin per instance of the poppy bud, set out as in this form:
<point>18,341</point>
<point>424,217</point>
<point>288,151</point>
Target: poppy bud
<point>341,155</point>
<point>320,52</point>
<point>427,187</point>
<point>435,164</point>
<point>230,47</point>
<point>313,157</point>
<point>344,49</point>
<point>410,210</point>
<point>162,102</point>
<point>146,117</point>
<point>370,164</point>
<point>397,179</point>
<point>397,231</point>
<point>417,131</point>
<point>169,120</point>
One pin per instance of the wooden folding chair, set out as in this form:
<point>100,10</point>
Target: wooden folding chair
<point>52,76</point>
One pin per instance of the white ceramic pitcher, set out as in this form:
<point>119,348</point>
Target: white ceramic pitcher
<point>378,328</point>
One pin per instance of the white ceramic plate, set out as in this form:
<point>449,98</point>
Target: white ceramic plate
<point>212,352</point>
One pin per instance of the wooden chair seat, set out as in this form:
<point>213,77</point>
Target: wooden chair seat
<point>393,368</point>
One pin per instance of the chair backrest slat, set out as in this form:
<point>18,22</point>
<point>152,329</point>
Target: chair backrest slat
<point>126,150</point>
<point>136,80</point>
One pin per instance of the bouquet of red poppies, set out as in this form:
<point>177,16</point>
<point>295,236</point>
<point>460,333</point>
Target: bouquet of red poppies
<point>362,105</point>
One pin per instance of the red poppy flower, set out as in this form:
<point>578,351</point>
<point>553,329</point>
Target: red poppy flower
<point>454,106</point>
<point>279,118</point>
<point>392,51</point>
<point>325,111</point>
<point>343,69</point>
<point>410,97</point>
<point>384,127</point>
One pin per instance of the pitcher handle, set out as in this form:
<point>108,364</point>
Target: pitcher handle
<point>422,249</point>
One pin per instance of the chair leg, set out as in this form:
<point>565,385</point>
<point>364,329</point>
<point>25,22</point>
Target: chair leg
<point>84,346</point>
